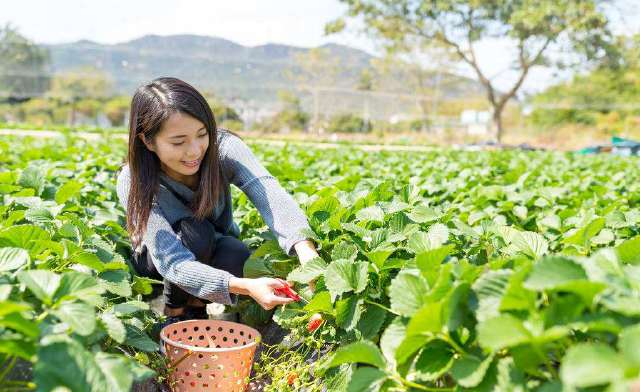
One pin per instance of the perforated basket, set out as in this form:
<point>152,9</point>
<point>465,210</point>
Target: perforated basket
<point>209,355</point>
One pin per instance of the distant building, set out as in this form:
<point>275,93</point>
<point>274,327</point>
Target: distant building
<point>477,122</point>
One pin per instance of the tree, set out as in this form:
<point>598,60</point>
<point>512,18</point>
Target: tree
<point>577,28</point>
<point>315,69</point>
<point>82,83</point>
<point>23,67</point>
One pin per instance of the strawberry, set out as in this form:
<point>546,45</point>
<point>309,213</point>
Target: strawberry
<point>292,377</point>
<point>314,322</point>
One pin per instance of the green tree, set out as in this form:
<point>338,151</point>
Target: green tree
<point>23,66</point>
<point>315,70</point>
<point>116,110</point>
<point>578,28</point>
<point>83,83</point>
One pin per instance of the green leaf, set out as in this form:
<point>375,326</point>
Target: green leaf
<point>344,250</point>
<point>321,302</point>
<point>43,284</point>
<point>370,214</point>
<point>629,251</point>
<point>551,272</point>
<point>366,379</point>
<point>427,320</point>
<point>78,285</point>
<point>130,307</point>
<point>89,259</point>
<point>531,244</point>
<point>407,293</point>
<point>489,289</point>
<point>371,321</point>
<point>64,363</point>
<point>421,242</point>
<point>590,364</point>
<point>501,332</point>
<point>32,177</point>
<point>435,359</point>
<point>67,191</point>
<point>423,214</point>
<point>24,236</point>
<point>13,258</point>
<point>348,312</point>
<point>429,261</point>
<point>308,271</point>
<point>80,316</point>
<point>629,344</point>
<point>358,352</point>
<point>138,339</point>
<point>391,339</point>
<point>114,326</point>
<point>584,235</point>
<point>344,275</point>
<point>116,282</point>
<point>469,370</point>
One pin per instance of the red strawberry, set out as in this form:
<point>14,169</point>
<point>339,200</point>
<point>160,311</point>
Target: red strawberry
<point>314,322</point>
<point>292,377</point>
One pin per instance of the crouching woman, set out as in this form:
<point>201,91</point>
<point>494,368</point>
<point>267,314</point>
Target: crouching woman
<point>175,187</point>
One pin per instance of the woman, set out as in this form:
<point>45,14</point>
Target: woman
<point>175,189</point>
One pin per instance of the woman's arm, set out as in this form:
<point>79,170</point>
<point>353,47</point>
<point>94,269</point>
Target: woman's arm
<point>278,209</point>
<point>306,250</point>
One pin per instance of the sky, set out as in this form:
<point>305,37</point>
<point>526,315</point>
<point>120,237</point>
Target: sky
<point>248,22</point>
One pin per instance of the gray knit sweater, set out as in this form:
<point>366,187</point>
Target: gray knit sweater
<point>174,261</point>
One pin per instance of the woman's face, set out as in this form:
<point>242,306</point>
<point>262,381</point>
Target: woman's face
<point>180,145</point>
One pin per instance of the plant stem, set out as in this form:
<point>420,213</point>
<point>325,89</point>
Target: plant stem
<point>421,387</point>
<point>380,306</point>
<point>10,363</point>
<point>453,343</point>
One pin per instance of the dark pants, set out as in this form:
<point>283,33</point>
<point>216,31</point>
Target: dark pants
<point>210,247</point>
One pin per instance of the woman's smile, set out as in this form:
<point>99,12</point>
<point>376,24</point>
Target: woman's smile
<point>191,164</point>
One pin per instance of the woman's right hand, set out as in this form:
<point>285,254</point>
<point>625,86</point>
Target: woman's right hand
<point>262,290</point>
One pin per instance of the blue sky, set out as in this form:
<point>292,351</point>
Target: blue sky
<point>248,22</point>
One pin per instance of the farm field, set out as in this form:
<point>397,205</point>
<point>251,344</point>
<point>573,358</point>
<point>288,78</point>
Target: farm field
<point>440,271</point>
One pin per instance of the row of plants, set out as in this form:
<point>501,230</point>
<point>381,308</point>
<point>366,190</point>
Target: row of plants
<point>460,271</point>
<point>440,270</point>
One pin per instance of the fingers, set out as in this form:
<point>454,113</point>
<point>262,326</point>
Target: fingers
<point>275,301</point>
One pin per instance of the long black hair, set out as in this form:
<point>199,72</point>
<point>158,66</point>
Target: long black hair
<point>151,105</point>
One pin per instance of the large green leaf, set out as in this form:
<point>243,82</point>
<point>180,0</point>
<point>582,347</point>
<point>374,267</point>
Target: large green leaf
<point>435,359</point>
<point>554,271</point>
<point>13,258</point>
<point>64,363</point>
<point>358,352</point>
<point>308,271</point>
<point>469,370</point>
<point>590,364</point>
<point>421,242</point>
<point>407,293</point>
<point>629,251</point>
<point>80,316</point>
<point>366,379</point>
<point>67,191</point>
<point>501,332</point>
<point>348,312</point>
<point>345,275</point>
<point>43,284</point>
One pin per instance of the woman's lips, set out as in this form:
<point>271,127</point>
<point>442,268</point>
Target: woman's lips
<point>191,163</point>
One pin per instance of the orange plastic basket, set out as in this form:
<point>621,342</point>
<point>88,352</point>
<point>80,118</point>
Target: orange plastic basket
<point>209,355</point>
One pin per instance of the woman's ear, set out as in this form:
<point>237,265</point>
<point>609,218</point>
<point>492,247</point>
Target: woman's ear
<point>146,142</point>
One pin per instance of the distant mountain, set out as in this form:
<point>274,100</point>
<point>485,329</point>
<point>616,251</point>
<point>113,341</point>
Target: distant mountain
<point>221,67</point>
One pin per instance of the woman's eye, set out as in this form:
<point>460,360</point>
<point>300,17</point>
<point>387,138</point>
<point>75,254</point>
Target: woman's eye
<point>178,144</point>
<point>203,135</point>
